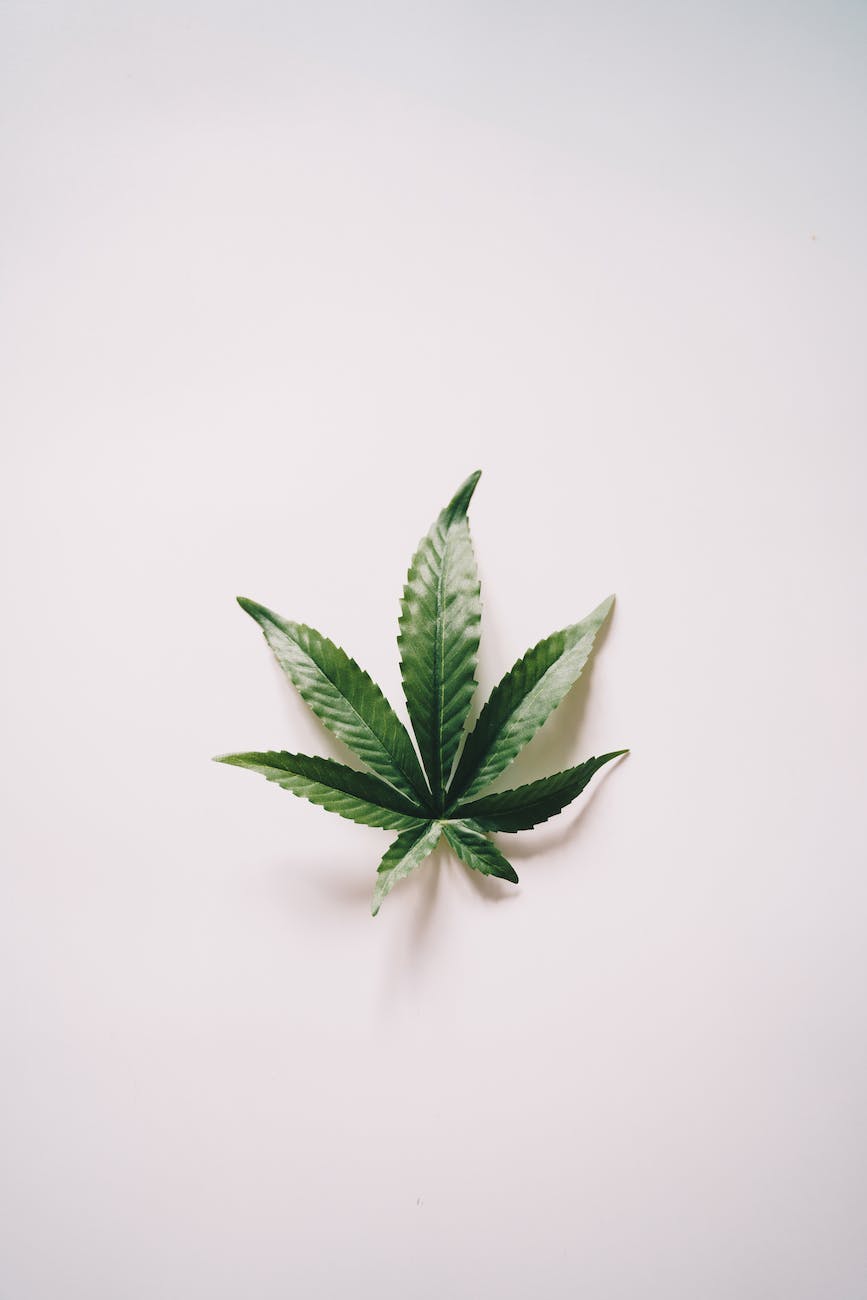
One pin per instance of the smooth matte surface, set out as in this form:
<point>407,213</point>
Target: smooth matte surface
<point>266,266</point>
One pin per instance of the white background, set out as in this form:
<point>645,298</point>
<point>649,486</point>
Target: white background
<point>277,278</point>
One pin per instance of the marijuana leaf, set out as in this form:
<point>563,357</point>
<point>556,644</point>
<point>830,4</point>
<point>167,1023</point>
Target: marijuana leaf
<point>440,619</point>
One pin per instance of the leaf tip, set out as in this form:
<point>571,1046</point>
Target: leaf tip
<point>593,622</point>
<point>266,618</point>
<point>461,499</point>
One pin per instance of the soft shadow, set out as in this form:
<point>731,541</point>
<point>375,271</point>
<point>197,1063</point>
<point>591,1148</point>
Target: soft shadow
<point>426,896</point>
<point>322,879</point>
<point>410,941</point>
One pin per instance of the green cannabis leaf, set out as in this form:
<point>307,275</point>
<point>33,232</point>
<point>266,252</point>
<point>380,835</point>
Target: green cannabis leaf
<point>440,620</point>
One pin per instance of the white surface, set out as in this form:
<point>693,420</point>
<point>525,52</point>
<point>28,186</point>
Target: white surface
<point>249,247</point>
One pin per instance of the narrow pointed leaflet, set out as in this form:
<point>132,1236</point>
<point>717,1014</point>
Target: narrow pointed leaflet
<point>334,786</point>
<point>344,698</point>
<point>440,620</point>
<point>523,700</point>
<point>475,850</point>
<point>407,852</point>
<point>444,794</point>
<point>528,805</point>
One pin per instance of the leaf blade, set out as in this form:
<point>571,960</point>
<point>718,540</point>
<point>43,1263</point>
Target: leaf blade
<point>439,625</point>
<point>357,796</point>
<point>475,850</point>
<point>522,701</point>
<point>344,697</point>
<point>529,805</point>
<point>403,855</point>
